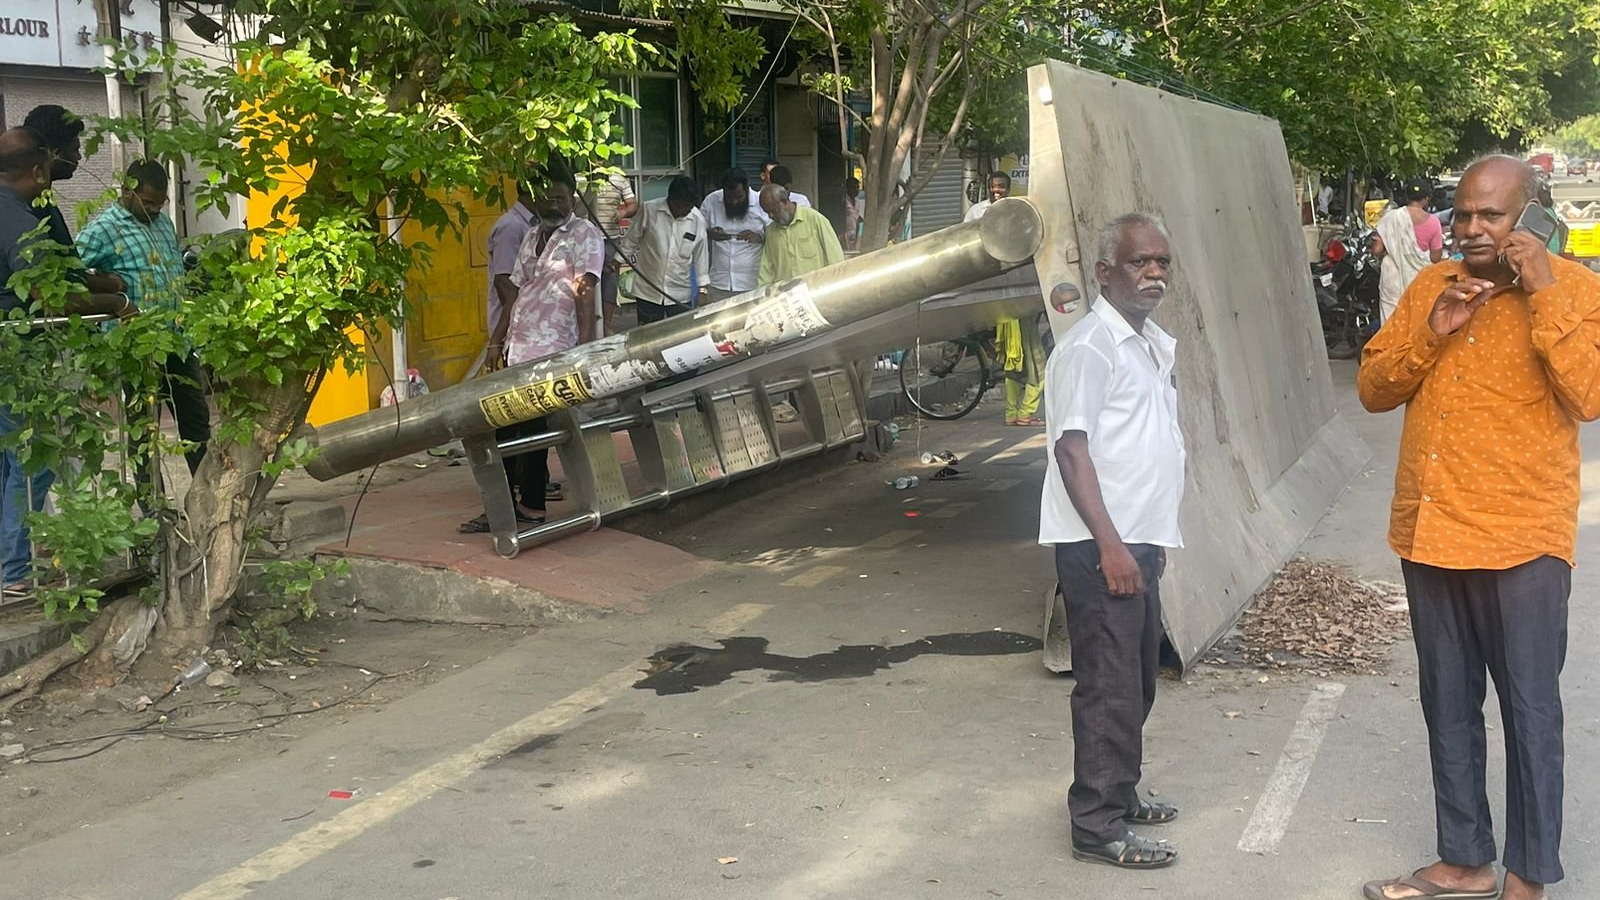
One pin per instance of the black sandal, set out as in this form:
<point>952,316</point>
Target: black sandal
<point>1132,852</point>
<point>1147,813</point>
<point>480,525</point>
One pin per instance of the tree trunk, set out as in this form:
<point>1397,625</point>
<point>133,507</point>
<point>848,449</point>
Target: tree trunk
<point>205,551</point>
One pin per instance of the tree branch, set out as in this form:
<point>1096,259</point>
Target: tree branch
<point>919,182</point>
<point>1274,22</point>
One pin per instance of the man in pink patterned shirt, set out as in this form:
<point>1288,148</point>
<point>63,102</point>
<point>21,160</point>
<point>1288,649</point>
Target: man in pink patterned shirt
<point>557,268</point>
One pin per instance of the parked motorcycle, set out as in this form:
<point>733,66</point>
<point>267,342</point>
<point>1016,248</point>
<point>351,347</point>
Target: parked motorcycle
<point>1346,285</point>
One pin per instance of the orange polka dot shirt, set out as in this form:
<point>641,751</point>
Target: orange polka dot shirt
<point>1489,459</point>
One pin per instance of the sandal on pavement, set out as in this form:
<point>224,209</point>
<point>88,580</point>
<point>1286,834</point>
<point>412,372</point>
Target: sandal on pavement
<point>552,491</point>
<point>1132,852</point>
<point>479,525</point>
<point>529,518</point>
<point>1375,890</point>
<point>1029,422</point>
<point>1147,813</point>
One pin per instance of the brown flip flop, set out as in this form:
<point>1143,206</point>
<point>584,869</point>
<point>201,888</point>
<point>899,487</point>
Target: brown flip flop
<point>1374,890</point>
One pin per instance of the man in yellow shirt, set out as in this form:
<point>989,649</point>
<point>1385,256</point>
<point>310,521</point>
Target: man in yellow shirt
<point>798,241</point>
<point>1496,359</point>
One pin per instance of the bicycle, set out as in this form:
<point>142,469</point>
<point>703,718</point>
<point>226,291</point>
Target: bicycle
<point>947,379</point>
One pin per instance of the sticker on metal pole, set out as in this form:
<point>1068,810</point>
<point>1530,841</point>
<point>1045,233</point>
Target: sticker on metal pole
<point>699,352</point>
<point>787,313</point>
<point>530,401</point>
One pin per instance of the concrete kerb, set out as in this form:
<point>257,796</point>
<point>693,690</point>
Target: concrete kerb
<point>412,592</point>
<point>24,636</point>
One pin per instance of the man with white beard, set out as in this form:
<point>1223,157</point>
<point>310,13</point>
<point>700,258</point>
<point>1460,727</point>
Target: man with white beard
<point>1110,511</point>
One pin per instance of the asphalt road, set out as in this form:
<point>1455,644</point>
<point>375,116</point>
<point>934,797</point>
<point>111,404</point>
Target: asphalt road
<point>784,764</point>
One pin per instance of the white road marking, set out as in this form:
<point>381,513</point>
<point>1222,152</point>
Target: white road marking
<point>1271,817</point>
<point>1035,442</point>
<point>814,576</point>
<point>1004,484</point>
<point>308,845</point>
<point>951,511</point>
<point>889,539</point>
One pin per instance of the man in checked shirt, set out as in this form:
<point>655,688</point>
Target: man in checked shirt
<point>1496,359</point>
<point>134,239</point>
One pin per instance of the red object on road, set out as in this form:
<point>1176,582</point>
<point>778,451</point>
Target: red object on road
<point>341,795</point>
<point>912,514</point>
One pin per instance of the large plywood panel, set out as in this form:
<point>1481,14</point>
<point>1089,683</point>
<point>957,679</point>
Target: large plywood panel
<point>1268,452</point>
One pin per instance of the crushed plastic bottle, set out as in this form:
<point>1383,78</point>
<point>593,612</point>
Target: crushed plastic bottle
<point>943,458</point>
<point>905,482</point>
<point>196,673</point>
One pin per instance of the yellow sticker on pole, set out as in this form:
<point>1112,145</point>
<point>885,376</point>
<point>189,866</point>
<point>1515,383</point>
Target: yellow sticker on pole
<point>530,401</point>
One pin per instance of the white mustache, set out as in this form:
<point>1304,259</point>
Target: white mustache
<point>1149,285</point>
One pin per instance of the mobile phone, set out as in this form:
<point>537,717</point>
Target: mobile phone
<point>1537,221</point>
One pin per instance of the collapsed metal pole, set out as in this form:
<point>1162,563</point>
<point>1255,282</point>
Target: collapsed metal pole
<point>746,325</point>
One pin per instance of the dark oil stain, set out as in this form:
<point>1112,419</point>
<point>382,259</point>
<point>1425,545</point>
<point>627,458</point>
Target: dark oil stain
<point>685,669</point>
<point>558,808</point>
<point>547,784</point>
<point>422,864</point>
<point>538,743</point>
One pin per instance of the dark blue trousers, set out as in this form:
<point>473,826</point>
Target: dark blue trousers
<point>1116,656</point>
<point>1510,626</point>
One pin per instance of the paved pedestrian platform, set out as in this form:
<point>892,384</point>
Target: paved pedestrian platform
<point>416,523</point>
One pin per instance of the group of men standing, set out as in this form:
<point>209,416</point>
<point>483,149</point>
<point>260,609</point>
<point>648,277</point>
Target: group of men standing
<point>684,249</point>
<point>1496,359</point>
<point>558,244</point>
<point>130,261</point>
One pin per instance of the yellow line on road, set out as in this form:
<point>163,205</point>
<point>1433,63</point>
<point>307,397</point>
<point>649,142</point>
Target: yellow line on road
<point>736,618</point>
<point>276,862</point>
<point>889,539</point>
<point>814,576</point>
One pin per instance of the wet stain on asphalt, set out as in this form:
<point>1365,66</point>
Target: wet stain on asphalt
<point>685,669</point>
<point>422,864</point>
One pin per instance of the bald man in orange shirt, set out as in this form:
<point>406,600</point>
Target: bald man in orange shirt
<point>1496,359</point>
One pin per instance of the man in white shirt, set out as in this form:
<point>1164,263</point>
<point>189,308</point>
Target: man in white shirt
<point>1110,510</point>
<point>670,252</point>
<point>737,229</point>
<point>999,185</point>
<point>782,175</point>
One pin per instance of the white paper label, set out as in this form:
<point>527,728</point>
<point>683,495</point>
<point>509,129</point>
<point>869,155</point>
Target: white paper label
<point>692,354</point>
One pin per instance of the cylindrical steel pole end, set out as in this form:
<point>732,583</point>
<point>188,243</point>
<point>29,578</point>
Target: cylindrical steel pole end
<point>317,466</point>
<point>1012,230</point>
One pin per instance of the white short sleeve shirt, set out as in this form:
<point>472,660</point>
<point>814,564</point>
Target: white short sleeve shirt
<point>1118,387</point>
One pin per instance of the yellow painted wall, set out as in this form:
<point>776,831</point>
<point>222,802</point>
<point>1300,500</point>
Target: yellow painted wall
<point>342,394</point>
<point>447,316</point>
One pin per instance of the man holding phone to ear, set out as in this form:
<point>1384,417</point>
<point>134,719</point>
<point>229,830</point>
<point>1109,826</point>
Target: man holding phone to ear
<point>1496,359</point>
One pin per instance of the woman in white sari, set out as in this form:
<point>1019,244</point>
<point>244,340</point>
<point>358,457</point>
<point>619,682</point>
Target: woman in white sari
<point>1409,239</point>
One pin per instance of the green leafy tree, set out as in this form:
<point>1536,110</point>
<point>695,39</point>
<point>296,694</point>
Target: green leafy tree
<point>359,114</point>
<point>1377,84</point>
<point>927,72</point>
<point>1580,138</point>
